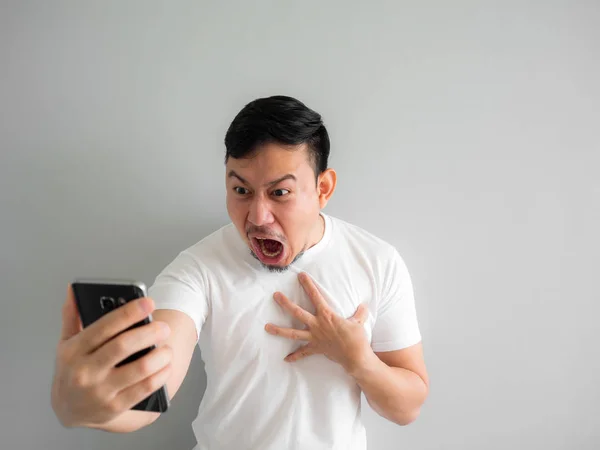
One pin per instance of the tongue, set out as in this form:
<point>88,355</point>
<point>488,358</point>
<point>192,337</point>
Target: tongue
<point>272,246</point>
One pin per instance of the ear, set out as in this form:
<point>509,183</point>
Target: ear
<point>325,186</point>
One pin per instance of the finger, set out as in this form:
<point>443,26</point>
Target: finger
<point>290,333</point>
<point>361,314</point>
<point>312,291</point>
<point>128,343</point>
<point>299,313</point>
<point>131,396</point>
<point>113,323</point>
<point>302,352</point>
<point>128,375</point>
<point>71,323</point>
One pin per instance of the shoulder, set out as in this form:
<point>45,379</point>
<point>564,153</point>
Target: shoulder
<point>211,251</point>
<point>378,256</point>
<point>361,239</point>
<point>219,242</point>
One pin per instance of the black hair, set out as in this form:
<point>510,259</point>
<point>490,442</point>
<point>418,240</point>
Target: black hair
<point>278,119</point>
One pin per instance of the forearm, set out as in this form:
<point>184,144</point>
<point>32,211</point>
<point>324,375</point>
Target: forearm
<point>394,393</point>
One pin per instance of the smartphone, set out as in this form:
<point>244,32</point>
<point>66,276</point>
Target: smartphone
<point>94,299</point>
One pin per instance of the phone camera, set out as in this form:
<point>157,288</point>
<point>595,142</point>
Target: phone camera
<point>107,303</point>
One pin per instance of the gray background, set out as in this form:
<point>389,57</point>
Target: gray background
<point>465,133</point>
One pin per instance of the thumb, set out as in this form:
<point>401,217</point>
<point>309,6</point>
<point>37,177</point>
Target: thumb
<point>71,323</point>
<point>361,314</point>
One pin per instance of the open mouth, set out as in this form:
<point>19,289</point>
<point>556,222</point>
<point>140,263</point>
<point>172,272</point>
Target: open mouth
<point>268,251</point>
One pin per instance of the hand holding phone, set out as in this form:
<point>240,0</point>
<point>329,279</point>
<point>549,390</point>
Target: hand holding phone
<point>109,359</point>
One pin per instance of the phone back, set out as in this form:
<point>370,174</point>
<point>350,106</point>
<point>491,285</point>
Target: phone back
<point>96,298</point>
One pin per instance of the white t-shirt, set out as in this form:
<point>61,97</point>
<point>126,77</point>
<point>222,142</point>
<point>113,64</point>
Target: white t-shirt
<point>254,399</point>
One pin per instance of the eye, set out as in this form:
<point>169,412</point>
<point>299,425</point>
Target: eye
<point>240,190</point>
<point>280,192</point>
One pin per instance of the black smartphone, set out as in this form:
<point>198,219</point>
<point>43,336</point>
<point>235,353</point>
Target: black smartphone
<point>94,299</point>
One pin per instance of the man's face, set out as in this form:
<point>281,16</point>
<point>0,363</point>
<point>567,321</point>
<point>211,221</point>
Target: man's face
<point>274,202</point>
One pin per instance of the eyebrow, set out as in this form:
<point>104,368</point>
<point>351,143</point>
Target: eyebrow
<point>289,176</point>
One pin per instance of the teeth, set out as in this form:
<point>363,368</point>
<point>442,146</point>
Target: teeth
<point>265,251</point>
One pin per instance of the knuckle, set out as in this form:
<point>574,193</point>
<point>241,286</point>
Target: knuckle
<point>97,394</point>
<point>80,377</point>
<point>327,315</point>
<point>131,313</point>
<point>152,327</point>
<point>134,311</point>
<point>164,355</point>
<point>114,406</point>
<point>155,330</point>
<point>155,360</point>
<point>150,384</point>
<point>122,345</point>
<point>146,365</point>
<point>103,360</point>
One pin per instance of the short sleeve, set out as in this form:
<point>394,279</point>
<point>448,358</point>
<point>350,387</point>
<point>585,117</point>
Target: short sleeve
<point>396,325</point>
<point>181,286</point>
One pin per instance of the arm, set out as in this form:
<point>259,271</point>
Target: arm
<point>183,341</point>
<point>395,383</point>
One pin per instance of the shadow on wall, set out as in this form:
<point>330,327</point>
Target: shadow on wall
<point>184,409</point>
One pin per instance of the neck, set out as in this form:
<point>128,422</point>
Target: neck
<point>317,233</point>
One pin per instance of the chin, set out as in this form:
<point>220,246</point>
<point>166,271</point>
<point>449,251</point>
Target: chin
<point>280,267</point>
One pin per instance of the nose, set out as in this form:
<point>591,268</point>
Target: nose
<point>260,212</point>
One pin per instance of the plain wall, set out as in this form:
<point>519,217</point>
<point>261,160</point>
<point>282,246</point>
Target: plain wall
<point>465,133</point>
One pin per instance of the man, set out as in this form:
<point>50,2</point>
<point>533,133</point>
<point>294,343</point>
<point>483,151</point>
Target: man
<point>295,312</point>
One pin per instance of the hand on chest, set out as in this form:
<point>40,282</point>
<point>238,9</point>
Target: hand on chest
<point>250,306</point>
